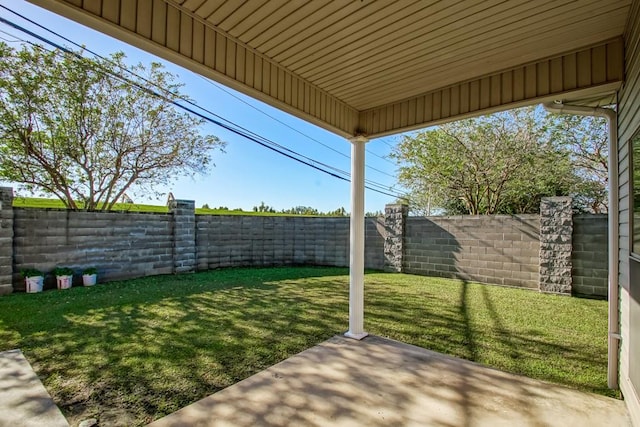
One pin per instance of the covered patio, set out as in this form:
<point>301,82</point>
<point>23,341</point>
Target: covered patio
<point>364,69</point>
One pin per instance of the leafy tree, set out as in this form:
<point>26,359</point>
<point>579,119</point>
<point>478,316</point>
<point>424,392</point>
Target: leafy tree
<point>586,140</point>
<point>308,210</point>
<point>503,163</point>
<point>338,212</point>
<point>302,210</point>
<point>72,128</point>
<point>263,208</point>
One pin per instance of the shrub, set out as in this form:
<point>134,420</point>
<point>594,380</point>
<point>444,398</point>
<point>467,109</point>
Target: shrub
<point>31,272</point>
<point>63,271</point>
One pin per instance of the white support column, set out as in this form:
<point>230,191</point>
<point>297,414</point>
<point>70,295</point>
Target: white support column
<point>356,265</point>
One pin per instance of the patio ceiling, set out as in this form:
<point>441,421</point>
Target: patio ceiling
<point>379,67</point>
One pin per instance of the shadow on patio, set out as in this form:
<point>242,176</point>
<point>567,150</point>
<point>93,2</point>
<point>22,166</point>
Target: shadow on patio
<point>378,381</point>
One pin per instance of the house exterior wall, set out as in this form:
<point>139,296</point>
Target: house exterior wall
<point>628,123</point>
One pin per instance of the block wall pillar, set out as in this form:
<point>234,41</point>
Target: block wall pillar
<point>395,218</point>
<point>556,230</point>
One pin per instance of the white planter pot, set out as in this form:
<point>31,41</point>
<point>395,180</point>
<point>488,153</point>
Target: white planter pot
<point>34,284</point>
<point>64,282</point>
<point>89,279</point>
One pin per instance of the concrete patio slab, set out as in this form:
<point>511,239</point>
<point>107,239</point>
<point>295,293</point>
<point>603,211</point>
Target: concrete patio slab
<point>380,382</point>
<point>24,402</point>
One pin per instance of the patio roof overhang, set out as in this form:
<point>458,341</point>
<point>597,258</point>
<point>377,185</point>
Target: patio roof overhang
<point>378,68</point>
<point>364,69</point>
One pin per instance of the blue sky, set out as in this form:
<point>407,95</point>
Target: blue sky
<point>246,173</point>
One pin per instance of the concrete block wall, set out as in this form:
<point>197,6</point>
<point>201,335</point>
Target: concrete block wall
<point>499,249</point>
<point>590,255</point>
<point>120,245</point>
<point>6,240</point>
<point>234,241</point>
<point>374,238</point>
<point>184,235</point>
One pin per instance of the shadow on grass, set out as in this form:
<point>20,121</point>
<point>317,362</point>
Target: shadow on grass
<point>594,297</point>
<point>541,336</point>
<point>130,352</point>
<point>153,345</point>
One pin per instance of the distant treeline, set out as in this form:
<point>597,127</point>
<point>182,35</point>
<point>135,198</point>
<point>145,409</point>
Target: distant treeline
<point>297,210</point>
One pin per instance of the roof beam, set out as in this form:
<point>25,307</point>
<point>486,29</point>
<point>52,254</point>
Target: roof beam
<point>176,33</point>
<point>594,69</point>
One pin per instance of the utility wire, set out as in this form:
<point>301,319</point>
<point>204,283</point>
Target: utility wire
<point>384,140</point>
<point>228,92</point>
<point>15,40</point>
<point>232,127</point>
<point>193,103</point>
<point>381,157</point>
<point>60,47</point>
<point>188,101</point>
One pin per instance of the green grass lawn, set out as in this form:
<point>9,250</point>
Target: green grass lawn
<point>132,351</point>
<point>42,203</point>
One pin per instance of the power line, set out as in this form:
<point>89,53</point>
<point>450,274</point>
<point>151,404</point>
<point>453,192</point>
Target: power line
<point>219,87</point>
<point>228,92</point>
<point>381,157</point>
<point>10,35</point>
<point>60,47</point>
<point>197,106</point>
<point>385,142</point>
<point>233,127</point>
<point>188,101</point>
